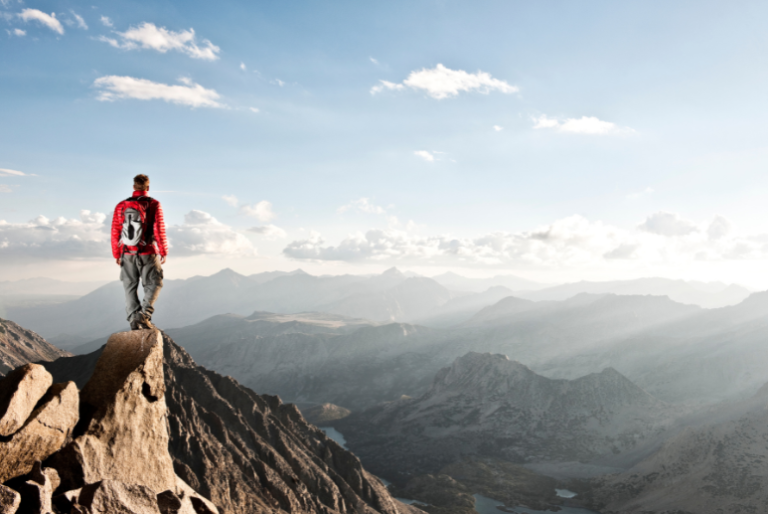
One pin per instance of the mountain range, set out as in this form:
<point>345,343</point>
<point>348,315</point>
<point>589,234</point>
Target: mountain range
<point>442,301</point>
<point>489,406</point>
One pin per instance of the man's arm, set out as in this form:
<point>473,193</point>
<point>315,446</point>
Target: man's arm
<point>160,237</point>
<point>117,228</point>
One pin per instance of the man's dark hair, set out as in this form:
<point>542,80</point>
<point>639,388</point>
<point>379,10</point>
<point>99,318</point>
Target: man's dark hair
<point>141,182</point>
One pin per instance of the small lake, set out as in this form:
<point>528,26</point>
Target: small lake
<point>335,435</point>
<point>485,505</point>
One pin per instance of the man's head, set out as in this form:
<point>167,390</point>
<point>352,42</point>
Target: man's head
<point>141,183</point>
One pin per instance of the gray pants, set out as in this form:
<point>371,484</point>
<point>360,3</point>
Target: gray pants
<point>147,268</point>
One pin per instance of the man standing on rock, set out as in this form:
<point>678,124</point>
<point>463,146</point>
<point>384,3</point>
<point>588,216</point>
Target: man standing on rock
<point>138,236</point>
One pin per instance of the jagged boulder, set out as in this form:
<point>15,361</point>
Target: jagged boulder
<point>20,391</point>
<point>123,435</point>
<point>48,428</point>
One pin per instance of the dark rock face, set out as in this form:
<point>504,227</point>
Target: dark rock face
<point>250,453</point>
<point>487,405</point>
<point>19,346</point>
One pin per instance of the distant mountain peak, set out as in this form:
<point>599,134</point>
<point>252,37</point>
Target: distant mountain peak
<point>393,272</point>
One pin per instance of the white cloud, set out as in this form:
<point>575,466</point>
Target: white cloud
<point>149,36</point>
<point>498,128</point>
<point>269,231</point>
<point>374,61</point>
<point>230,199</point>
<point>49,20</point>
<point>588,125</point>
<point>424,154</point>
<point>60,238</point>
<point>4,172</point>
<point>361,205</point>
<point>106,21</point>
<point>202,234</point>
<point>17,32</point>
<point>719,228</point>
<point>441,82</point>
<point>242,66</point>
<point>190,94</point>
<point>80,21</point>
<point>569,242</point>
<point>386,85</point>
<point>255,110</point>
<point>262,211</point>
<point>668,224</point>
<point>277,82</point>
<point>5,188</point>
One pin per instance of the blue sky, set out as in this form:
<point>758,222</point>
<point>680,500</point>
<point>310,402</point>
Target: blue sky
<point>554,140</point>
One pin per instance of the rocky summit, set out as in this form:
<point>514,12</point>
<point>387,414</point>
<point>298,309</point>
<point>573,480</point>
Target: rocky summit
<point>246,453</point>
<point>102,449</point>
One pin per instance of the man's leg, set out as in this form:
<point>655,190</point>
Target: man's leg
<point>129,276</point>
<point>152,280</point>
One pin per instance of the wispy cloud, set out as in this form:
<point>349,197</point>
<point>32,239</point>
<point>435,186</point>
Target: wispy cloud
<point>202,234</point>
<point>114,87</point>
<point>639,194</point>
<point>231,200</point>
<point>425,154</point>
<point>262,211</point>
<point>106,21</point>
<point>242,66</point>
<point>48,20</point>
<point>587,125</point>
<point>498,128</point>
<point>441,82</point>
<point>269,231</point>
<point>17,32</point>
<point>4,172</point>
<point>255,110</point>
<point>80,21</point>
<point>361,205</point>
<point>151,37</point>
<point>5,188</point>
<point>374,61</point>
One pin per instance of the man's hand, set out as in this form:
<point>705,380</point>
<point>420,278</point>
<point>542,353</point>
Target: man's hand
<point>119,261</point>
<point>163,258</point>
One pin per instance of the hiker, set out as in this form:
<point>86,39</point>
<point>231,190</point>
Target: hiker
<point>138,236</point>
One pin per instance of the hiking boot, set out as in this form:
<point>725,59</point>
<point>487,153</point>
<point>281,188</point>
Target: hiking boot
<point>140,321</point>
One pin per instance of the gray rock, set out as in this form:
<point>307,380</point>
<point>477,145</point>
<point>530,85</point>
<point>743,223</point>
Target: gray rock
<point>45,432</point>
<point>20,391</point>
<point>113,497</point>
<point>9,500</point>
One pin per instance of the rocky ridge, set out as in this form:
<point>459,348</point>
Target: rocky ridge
<point>249,453</point>
<point>19,346</point>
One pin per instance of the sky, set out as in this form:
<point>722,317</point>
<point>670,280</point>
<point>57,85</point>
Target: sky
<point>553,140</point>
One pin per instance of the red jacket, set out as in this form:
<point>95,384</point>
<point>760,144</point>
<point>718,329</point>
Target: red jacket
<point>160,243</point>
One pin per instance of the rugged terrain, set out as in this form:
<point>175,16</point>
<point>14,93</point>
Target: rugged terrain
<point>718,465</point>
<point>248,452</point>
<point>487,405</point>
